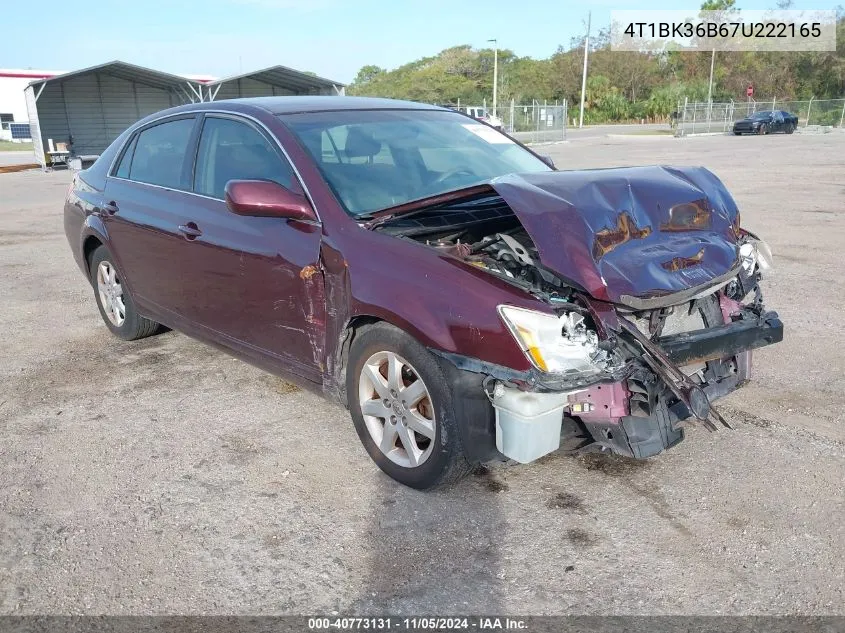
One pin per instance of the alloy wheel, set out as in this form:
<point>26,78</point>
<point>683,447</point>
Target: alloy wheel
<point>397,409</point>
<point>111,293</point>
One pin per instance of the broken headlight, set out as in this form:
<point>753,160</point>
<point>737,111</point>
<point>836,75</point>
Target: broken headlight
<point>557,344</point>
<point>755,254</point>
<point>755,258</point>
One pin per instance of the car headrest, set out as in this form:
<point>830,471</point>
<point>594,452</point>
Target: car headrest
<point>359,143</point>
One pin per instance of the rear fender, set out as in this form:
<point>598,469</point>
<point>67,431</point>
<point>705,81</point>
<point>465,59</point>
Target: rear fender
<point>92,228</point>
<point>95,228</point>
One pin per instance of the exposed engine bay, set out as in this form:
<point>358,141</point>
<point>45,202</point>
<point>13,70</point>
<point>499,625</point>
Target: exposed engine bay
<point>487,234</point>
<point>510,254</point>
<point>654,318</point>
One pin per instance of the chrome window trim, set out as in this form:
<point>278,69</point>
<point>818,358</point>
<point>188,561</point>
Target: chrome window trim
<point>317,222</point>
<point>199,113</point>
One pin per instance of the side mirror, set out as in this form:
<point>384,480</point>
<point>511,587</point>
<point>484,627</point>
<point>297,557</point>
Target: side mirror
<point>262,198</point>
<point>548,160</point>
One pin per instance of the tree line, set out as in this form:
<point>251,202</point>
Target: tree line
<point>620,85</point>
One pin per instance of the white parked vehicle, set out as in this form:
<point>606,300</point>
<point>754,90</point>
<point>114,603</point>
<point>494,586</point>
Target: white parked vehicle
<point>483,115</point>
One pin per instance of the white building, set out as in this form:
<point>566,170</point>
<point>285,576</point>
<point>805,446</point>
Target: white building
<point>12,101</point>
<point>12,84</point>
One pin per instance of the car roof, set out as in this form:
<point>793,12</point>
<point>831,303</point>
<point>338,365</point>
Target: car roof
<point>314,103</point>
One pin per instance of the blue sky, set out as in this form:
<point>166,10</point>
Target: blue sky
<point>333,38</point>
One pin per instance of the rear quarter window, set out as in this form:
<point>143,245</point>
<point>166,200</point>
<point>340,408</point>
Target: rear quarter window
<point>123,166</point>
<point>159,154</point>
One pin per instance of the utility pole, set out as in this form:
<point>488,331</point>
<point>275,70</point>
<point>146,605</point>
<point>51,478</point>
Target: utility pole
<point>495,72</point>
<point>584,78</point>
<point>710,87</point>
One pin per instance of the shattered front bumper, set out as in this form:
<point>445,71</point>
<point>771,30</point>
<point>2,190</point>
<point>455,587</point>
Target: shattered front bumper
<point>722,341</point>
<point>659,396</point>
<point>625,412</point>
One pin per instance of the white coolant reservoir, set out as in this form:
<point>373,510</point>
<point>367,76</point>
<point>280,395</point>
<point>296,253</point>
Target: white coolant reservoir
<point>527,424</point>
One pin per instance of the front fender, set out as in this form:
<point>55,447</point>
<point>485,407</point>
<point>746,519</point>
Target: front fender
<point>441,301</point>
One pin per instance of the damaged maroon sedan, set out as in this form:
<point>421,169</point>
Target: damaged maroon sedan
<point>466,301</point>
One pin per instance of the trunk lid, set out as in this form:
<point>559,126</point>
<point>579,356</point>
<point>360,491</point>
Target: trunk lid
<point>640,236</point>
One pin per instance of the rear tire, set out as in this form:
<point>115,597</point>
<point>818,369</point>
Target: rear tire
<point>436,456</point>
<point>790,128</point>
<point>117,308</point>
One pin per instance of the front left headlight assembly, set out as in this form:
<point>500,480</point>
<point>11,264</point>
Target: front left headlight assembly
<point>755,253</point>
<point>556,344</point>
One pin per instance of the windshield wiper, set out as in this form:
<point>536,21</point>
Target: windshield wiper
<point>440,202</point>
<point>412,214</point>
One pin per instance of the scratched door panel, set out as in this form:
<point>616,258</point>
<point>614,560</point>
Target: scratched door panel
<point>255,282</point>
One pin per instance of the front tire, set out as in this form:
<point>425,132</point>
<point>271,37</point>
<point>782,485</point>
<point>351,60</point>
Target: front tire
<point>114,301</point>
<point>763,129</point>
<point>402,408</point>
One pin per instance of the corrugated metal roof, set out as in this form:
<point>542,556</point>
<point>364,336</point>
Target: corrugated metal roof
<point>283,77</point>
<point>148,76</point>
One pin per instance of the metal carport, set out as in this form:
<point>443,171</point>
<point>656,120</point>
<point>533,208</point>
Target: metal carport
<point>272,81</point>
<point>89,108</point>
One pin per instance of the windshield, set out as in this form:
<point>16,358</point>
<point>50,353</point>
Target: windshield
<point>762,115</point>
<point>376,159</point>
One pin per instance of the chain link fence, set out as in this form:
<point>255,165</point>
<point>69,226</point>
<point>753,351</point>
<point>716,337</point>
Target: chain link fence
<point>701,118</point>
<point>536,122</point>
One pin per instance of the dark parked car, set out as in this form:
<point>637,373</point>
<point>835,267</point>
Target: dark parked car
<point>767,122</point>
<point>466,301</point>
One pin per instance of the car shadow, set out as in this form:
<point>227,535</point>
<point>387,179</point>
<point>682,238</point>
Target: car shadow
<point>437,552</point>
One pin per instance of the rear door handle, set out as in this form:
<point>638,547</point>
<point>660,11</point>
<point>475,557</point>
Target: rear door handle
<point>190,230</point>
<point>110,208</point>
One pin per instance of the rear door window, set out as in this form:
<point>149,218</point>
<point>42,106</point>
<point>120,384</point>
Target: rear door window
<point>159,156</point>
<point>235,150</point>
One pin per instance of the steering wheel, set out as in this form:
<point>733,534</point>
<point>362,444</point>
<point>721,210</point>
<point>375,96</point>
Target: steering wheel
<point>457,171</point>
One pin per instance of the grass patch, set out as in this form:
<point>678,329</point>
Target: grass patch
<point>8,146</point>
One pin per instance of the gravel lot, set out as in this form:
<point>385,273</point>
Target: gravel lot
<point>165,477</point>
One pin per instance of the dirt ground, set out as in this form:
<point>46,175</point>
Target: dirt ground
<point>165,477</point>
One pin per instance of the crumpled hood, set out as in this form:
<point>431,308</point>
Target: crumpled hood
<point>635,235</point>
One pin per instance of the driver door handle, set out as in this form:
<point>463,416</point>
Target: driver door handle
<point>190,230</point>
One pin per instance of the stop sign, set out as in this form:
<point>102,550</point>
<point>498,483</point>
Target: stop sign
<point>749,92</point>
